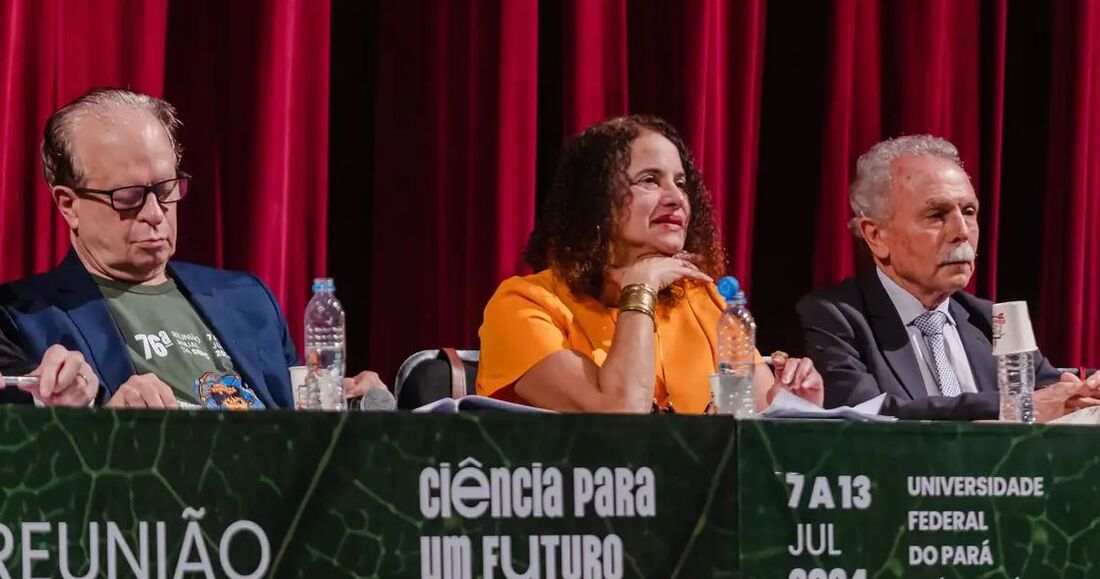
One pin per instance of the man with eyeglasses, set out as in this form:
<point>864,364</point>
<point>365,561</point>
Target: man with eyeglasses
<point>158,334</point>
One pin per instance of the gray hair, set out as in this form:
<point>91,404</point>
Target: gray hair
<point>58,165</point>
<point>869,195</point>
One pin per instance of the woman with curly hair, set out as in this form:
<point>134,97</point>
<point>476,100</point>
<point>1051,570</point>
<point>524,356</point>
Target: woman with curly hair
<point>623,312</point>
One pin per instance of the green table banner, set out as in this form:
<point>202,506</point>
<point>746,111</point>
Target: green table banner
<point>96,493</point>
<point>860,501</point>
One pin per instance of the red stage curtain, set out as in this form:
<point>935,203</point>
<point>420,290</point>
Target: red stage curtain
<point>454,178</point>
<point>595,72</point>
<point>701,67</point>
<point>250,80</point>
<point>254,100</point>
<point>881,69</point>
<point>452,115</point>
<point>911,67</point>
<point>455,141</point>
<point>853,122</point>
<point>50,52</point>
<point>1070,307</point>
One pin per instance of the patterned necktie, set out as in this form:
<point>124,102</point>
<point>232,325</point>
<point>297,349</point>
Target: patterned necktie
<point>930,325</point>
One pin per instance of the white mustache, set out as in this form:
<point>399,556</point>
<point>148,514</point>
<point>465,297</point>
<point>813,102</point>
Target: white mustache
<point>961,253</point>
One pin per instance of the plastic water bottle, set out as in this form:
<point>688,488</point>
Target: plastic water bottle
<point>1014,346</point>
<point>1016,382</point>
<point>734,393</point>
<point>324,384</point>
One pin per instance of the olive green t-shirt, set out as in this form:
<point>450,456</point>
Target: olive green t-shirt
<point>168,338</point>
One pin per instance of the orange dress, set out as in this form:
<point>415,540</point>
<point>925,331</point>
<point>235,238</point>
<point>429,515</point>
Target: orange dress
<point>531,317</point>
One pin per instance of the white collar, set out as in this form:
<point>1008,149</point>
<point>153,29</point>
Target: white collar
<point>907,305</point>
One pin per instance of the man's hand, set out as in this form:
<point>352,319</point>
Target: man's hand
<point>143,391</point>
<point>64,379</point>
<point>363,381</point>
<point>799,376</point>
<point>1069,394</point>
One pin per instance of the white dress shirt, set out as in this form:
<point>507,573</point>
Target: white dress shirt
<point>909,307</point>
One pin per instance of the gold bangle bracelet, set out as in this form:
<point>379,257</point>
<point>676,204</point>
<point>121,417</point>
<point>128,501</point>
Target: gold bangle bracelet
<point>640,309</point>
<point>638,294</point>
<point>640,288</point>
<point>639,297</point>
<point>629,304</point>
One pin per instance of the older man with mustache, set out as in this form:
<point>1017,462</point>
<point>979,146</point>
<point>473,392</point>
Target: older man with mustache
<point>907,329</point>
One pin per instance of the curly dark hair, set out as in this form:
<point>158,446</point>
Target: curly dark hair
<point>574,224</point>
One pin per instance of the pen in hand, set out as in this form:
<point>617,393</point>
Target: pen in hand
<point>20,381</point>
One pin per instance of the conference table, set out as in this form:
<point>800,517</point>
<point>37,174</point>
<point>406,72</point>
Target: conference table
<point>304,494</point>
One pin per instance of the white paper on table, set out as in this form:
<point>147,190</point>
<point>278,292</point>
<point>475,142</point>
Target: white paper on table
<point>1088,415</point>
<point>474,402</point>
<point>787,405</point>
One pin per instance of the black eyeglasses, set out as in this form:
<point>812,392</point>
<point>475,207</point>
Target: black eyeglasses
<point>133,196</point>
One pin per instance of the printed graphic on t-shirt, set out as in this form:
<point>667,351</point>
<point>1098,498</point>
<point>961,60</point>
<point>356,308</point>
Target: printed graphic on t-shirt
<point>225,392</point>
<point>159,344</point>
<point>166,337</point>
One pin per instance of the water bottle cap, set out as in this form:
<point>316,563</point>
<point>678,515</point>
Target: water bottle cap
<point>728,287</point>
<point>323,284</point>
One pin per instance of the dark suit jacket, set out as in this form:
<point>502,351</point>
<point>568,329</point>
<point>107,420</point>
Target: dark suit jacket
<point>857,341</point>
<point>64,306</point>
<point>13,362</point>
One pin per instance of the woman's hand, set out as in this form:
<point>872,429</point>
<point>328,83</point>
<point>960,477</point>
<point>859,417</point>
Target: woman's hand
<point>799,377</point>
<point>657,271</point>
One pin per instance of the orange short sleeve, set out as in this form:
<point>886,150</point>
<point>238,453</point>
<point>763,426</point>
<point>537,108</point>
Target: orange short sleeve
<point>524,322</point>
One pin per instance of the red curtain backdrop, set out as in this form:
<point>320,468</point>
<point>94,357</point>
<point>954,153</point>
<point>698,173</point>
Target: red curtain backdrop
<point>447,118</point>
<point>454,181</point>
<point>458,102</point>
<point>51,51</point>
<point>776,105</point>
<point>1070,294</point>
<point>853,122</point>
<point>250,80</point>
<point>594,43</point>
<point>910,67</point>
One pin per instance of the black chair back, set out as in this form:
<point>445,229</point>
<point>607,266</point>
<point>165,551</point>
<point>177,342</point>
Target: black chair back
<point>430,375</point>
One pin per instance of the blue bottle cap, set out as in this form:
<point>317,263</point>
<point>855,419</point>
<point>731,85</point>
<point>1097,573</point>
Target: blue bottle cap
<point>728,287</point>
<point>323,284</point>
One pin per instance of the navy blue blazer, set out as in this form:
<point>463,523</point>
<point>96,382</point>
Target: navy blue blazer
<point>64,306</point>
<point>857,341</point>
<point>13,362</point>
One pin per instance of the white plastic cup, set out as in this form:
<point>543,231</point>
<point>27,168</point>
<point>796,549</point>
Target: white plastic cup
<point>1012,333</point>
<point>297,382</point>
